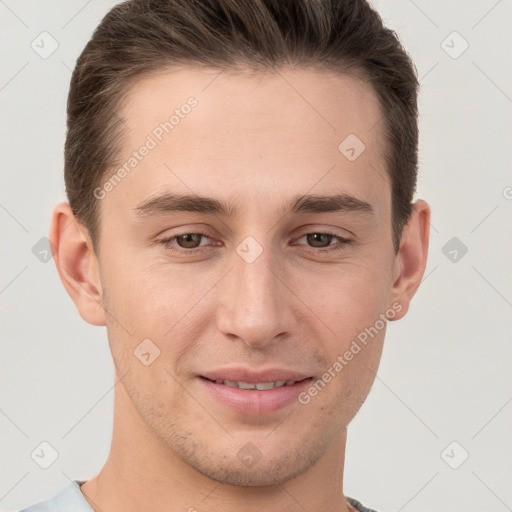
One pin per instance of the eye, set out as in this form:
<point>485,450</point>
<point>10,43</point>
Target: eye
<point>324,239</point>
<point>188,242</point>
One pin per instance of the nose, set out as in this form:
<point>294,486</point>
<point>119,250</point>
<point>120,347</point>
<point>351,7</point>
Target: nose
<point>256,303</point>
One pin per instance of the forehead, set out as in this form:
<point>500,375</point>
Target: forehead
<point>315,101</point>
<point>276,134</point>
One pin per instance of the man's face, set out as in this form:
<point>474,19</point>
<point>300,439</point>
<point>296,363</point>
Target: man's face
<point>266,295</point>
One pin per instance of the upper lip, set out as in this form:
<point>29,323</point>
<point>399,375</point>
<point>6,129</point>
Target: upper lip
<point>252,376</point>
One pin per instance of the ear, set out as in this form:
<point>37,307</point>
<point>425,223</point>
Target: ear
<point>411,260</point>
<point>77,264</point>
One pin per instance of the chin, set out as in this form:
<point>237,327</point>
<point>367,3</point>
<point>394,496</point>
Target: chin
<point>264,475</point>
<point>249,467</point>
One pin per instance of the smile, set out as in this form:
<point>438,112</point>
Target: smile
<point>260,386</point>
<point>256,398</point>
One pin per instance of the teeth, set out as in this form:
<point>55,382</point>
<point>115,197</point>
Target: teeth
<point>261,386</point>
<point>265,385</point>
<point>247,385</point>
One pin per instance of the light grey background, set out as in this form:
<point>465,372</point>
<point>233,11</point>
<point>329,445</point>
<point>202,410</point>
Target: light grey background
<point>445,371</point>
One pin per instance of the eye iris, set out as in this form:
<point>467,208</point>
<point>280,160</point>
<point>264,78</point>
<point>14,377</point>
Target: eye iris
<point>313,237</point>
<point>190,238</point>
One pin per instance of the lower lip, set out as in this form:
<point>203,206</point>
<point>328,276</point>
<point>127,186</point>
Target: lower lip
<point>255,402</point>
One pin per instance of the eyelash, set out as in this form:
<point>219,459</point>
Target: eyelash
<point>342,242</point>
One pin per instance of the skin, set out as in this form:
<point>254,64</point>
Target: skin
<point>255,141</point>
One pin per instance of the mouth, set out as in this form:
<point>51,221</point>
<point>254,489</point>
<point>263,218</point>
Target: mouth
<point>259,386</point>
<point>254,396</point>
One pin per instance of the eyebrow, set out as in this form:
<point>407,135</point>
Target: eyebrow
<point>311,203</point>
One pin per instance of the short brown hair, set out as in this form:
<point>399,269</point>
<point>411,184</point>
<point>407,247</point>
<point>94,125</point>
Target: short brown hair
<point>140,37</point>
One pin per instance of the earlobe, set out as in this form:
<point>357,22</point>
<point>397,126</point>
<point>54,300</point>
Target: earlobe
<point>411,260</point>
<point>77,264</point>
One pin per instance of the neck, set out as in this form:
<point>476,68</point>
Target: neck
<point>142,473</point>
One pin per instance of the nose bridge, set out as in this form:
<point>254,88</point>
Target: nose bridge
<point>254,306</point>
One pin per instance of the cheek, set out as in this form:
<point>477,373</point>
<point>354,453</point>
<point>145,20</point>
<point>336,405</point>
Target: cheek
<point>147,297</point>
<point>348,300</point>
<point>163,307</point>
<point>351,303</point>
